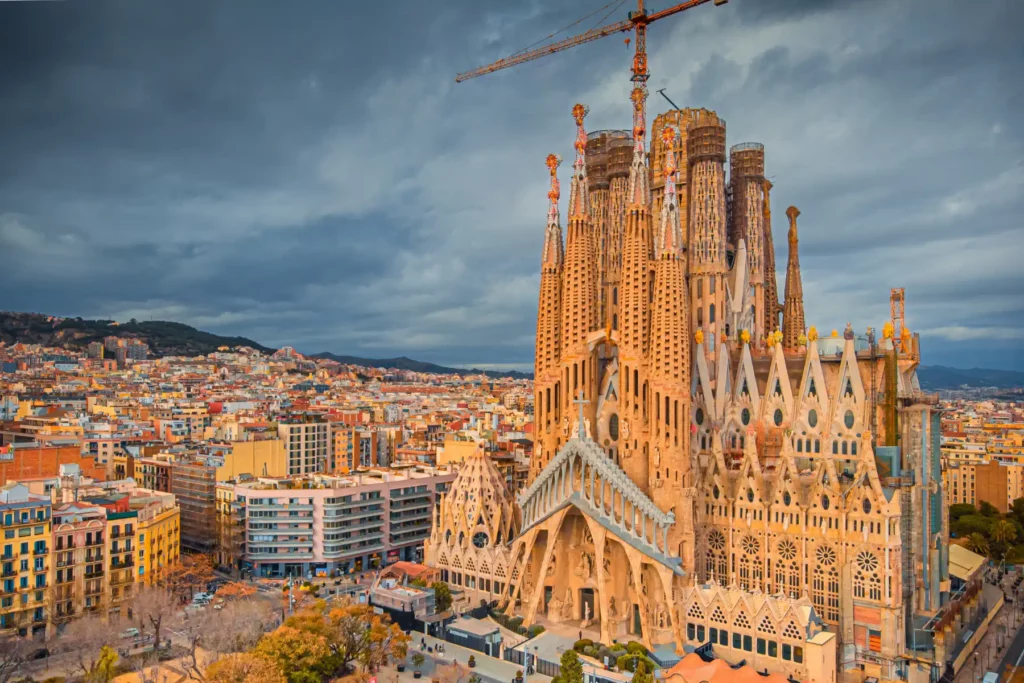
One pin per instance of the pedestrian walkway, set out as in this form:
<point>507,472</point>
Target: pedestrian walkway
<point>990,650</point>
<point>489,668</point>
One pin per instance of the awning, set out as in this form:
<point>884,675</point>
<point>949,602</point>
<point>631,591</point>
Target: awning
<point>964,564</point>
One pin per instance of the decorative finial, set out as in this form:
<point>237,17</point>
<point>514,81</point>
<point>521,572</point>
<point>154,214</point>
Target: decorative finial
<point>638,188</point>
<point>669,238</point>
<point>552,254</point>
<point>553,162</point>
<point>792,212</point>
<point>578,189</point>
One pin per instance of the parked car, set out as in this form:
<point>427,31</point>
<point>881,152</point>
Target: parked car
<point>130,633</point>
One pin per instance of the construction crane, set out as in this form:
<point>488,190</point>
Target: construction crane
<point>637,22</point>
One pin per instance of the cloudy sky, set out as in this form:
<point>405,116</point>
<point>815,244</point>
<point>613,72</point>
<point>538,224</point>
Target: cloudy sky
<point>310,174</point>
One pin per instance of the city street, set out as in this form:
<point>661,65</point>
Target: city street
<point>1002,648</point>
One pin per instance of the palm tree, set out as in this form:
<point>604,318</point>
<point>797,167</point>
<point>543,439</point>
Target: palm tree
<point>1004,531</point>
<point>977,543</point>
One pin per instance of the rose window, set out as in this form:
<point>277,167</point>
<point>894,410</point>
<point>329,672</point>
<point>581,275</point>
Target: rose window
<point>750,545</point>
<point>825,555</point>
<point>716,540</point>
<point>867,562</point>
<point>787,550</point>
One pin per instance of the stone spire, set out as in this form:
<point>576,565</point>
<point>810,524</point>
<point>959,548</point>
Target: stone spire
<point>552,255</point>
<point>793,308</point>
<point>580,304</point>
<point>578,197</point>
<point>669,366</point>
<point>771,284</point>
<point>634,316</point>
<point>548,351</point>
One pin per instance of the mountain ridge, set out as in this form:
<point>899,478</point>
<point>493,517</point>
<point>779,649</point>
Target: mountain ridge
<point>167,338</point>
<point>406,363</point>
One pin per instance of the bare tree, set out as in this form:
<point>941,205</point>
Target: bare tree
<point>14,654</point>
<point>209,634</point>
<point>152,609</point>
<point>86,639</point>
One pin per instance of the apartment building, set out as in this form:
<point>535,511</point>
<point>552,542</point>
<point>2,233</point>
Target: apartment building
<point>359,446</point>
<point>194,485</point>
<point>323,524</point>
<point>25,565</point>
<point>306,444</point>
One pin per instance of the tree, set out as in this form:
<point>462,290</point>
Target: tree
<point>192,572</point>
<point>641,674</point>
<point>442,596</point>
<point>1004,532</point>
<point>105,665</point>
<point>151,608</point>
<point>87,640</point>
<point>571,667</point>
<point>453,673</point>
<point>300,656</point>
<point>244,667</point>
<point>384,641</point>
<point>959,510</point>
<point>977,543</point>
<point>417,660</point>
<point>14,654</point>
<point>1017,509</point>
<point>972,524</point>
<point>208,634</point>
<point>987,509</point>
<point>237,590</point>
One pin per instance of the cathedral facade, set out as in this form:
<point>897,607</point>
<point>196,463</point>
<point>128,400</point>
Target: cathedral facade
<point>692,431</point>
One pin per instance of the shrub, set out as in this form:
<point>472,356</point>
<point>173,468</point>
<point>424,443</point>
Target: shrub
<point>590,651</point>
<point>535,630</point>
<point>628,662</point>
<point>636,648</point>
<point>617,648</point>
<point>472,660</point>
<point>418,659</point>
<point>581,644</point>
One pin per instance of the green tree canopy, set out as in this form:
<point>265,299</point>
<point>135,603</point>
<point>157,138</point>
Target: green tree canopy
<point>987,509</point>
<point>442,596</point>
<point>572,667</point>
<point>959,510</point>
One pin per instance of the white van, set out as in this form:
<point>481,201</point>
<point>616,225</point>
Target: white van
<point>130,633</point>
<point>990,677</point>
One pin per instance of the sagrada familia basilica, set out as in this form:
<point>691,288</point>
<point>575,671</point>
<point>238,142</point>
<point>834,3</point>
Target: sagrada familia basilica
<point>706,467</point>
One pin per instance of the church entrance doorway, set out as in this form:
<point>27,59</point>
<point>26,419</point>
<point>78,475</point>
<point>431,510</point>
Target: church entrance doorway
<point>547,598</point>
<point>587,606</point>
<point>637,628</point>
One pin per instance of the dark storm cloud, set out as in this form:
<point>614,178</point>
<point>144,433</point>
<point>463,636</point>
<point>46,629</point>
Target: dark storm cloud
<point>315,177</point>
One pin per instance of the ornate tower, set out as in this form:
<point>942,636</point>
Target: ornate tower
<point>793,309</point>
<point>705,147</point>
<point>746,176</point>
<point>771,283</point>
<point>635,304</point>
<point>579,286</point>
<point>614,152</point>
<point>669,460</point>
<point>548,353</point>
<point>597,187</point>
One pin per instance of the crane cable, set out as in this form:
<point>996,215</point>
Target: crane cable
<point>616,3</point>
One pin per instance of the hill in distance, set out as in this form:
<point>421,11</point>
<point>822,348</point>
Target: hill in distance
<point>403,363</point>
<point>177,339</point>
<point>934,377</point>
<point>164,338</point>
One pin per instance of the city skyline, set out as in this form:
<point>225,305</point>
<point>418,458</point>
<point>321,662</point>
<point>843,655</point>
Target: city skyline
<point>267,180</point>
